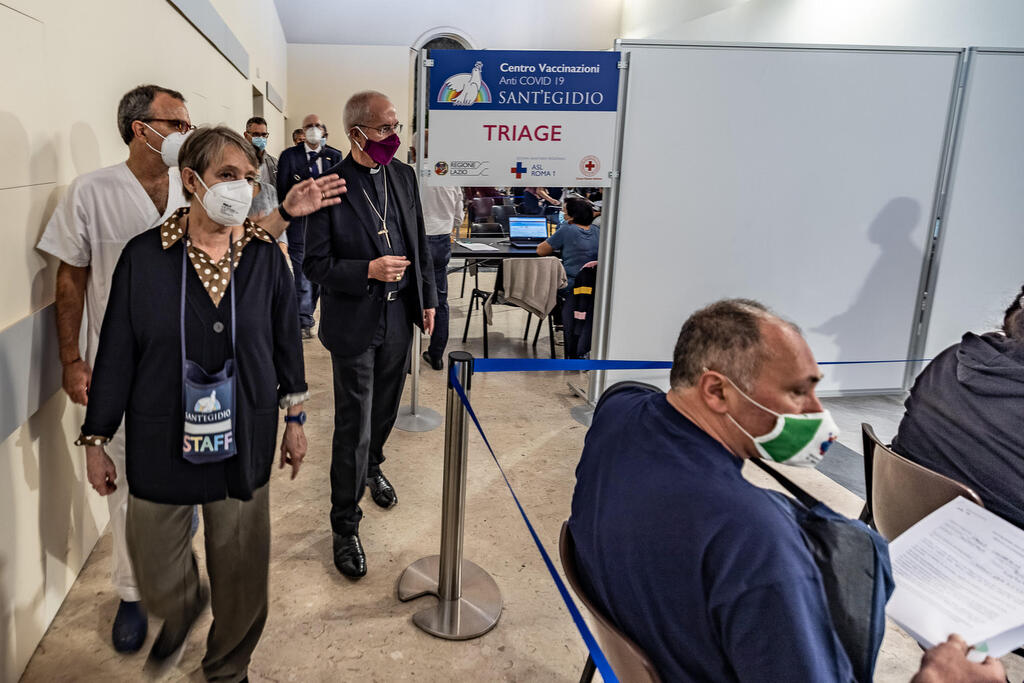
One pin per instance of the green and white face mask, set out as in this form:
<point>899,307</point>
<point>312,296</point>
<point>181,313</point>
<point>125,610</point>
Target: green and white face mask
<point>798,439</point>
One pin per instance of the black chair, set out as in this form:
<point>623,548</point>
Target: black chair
<point>627,659</point>
<point>501,213</point>
<point>480,209</point>
<point>540,323</point>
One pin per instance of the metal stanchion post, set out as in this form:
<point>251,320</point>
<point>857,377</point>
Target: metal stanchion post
<point>468,599</point>
<point>414,417</point>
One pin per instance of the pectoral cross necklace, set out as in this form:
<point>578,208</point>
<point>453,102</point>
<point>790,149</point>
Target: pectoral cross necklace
<point>383,219</point>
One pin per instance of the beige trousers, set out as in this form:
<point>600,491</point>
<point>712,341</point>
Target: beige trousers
<point>237,561</point>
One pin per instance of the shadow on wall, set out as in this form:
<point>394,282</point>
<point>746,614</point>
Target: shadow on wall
<point>891,231</point>
<point>65,519</point>
<point>85,156</point>
<point>65,522</point>
<point>30,168</point>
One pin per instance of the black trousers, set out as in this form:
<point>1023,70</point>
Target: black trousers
<point>441,251</point>
<point>367,393</point>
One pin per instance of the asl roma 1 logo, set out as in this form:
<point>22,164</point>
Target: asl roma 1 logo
<point>464,90</point>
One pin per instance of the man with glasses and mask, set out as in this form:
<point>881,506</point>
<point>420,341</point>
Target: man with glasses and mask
<point>264,201</point>
<point>100,212</point>
<point>308,160</point>
<point>706,572</point>
<point>371,259</point>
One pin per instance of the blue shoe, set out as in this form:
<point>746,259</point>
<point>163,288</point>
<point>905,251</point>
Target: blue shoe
<point>130,624</point>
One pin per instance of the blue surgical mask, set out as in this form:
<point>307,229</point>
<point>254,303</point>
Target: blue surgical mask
<point>259,143</point>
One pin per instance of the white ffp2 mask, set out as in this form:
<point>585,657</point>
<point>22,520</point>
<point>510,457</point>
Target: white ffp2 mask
<point>170,147</point>
<point>227,203</point>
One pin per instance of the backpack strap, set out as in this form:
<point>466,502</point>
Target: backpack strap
<point>806,499</point>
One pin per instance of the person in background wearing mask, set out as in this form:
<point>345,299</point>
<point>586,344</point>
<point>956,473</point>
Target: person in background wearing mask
<point>298,137</point>
<point>706,572</point>
<point>310,160</point>
<point>94,219</point>
<point>265,200</point>
<point>198,352</point>
<point>370,255</point>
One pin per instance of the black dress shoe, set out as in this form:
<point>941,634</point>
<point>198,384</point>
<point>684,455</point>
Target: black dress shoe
<point>381,490</point>
<point>435,364</point>
<point>349,557</point>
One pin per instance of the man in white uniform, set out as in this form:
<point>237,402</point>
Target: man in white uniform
<point>93,221</point>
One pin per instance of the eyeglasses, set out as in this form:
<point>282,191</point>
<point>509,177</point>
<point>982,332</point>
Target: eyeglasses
<point>317,125</point>
<point>384,130</point>
<point>176,124</point>
<point>259,135</point>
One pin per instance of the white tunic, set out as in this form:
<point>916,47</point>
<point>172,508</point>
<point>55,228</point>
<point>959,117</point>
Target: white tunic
<point>93,221</point>
<point>442,209</point>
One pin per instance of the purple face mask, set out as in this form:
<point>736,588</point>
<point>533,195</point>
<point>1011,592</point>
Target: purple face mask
<point>384,151</point>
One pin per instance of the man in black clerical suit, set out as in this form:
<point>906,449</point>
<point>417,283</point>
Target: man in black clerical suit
<point>308,160</point>
<point>369,255</point>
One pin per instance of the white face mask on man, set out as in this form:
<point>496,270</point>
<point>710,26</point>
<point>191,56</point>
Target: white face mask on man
<point>170,147</point>
<point>314,136</point>
<point>228,202</point>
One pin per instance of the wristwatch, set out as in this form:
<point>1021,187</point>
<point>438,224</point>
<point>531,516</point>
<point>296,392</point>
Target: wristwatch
<point>300,418</point>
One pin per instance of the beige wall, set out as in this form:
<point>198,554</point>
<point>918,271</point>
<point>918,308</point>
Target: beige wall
<point>66,65</point>
<point>321,78</point>
<point>924,23</point>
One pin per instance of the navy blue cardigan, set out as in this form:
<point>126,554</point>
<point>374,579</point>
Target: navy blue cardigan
<point>138,367</point>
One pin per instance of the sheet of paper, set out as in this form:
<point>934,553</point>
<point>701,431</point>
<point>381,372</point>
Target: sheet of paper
<point>477,246</point>
<point>960,570</point>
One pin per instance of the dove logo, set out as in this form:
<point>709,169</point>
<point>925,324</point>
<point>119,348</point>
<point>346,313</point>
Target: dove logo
<point>464,90</point>
<point>208,404</point>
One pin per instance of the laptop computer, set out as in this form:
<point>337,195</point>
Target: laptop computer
<point>526,232</point>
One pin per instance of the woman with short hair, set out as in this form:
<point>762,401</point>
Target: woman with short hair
<point>198,352</point>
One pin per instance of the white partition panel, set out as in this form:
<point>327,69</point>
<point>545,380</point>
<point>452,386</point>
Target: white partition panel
<point>802,177</point>
<point>980,267</point>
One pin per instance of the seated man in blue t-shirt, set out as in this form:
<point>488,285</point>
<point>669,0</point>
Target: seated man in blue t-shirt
<point>577,239</point>
<point>702,569</point>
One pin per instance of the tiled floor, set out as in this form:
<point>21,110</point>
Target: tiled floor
<point>323,627</point>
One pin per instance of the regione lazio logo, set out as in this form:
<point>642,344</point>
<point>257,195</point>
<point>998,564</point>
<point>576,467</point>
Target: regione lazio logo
<point>590,165</point>
<point>441,168</point>
<point>464,90</point>
<point>518,170</point>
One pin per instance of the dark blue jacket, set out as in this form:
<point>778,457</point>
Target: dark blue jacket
<point>138,367</point>
<point>965,419</point>
<point>293,166</point>
<point>341,240</point>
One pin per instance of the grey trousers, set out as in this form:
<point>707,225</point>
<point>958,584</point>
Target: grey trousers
<point>237,561</point>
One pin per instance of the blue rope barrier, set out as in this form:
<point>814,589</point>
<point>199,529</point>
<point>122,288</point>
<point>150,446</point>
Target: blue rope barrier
<point>600,661</point>
<point>552,364</point>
